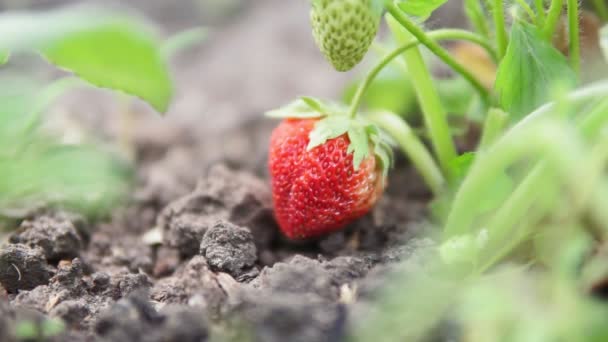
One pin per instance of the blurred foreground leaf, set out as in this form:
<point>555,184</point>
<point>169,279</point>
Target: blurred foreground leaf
<point>420,8</point>
<point>37,170</point>
<point>109,50</point>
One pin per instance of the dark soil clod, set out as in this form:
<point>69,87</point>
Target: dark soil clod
<point>23,268</point>
<point>229,248</point>
<point>134,317</point>
<point>58,237</point>
<point>222,195</point>
<point>292,317</point>
<point>195,284</point>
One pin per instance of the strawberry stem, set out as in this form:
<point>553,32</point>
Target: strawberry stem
<point>493,127</point>
<point>435,48</point>
<point>573,32</point>
<point>442,34</point>
<point>499,27</point>
<point>540,10</point>
<point>555,11</point>
<point>412,147</point>
<point>435,116</point>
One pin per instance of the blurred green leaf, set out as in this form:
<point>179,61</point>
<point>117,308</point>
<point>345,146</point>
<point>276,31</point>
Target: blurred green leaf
<point>109,50</point>
<point>4,56</point>
<point>26,330</point>
<point>491,198</point>
<point>530,70</point>
<point>307,107</point>
<point>391,91</point>
<point>183,40</point>
<point>36,170</point>
<point>52,327</point>
<point>420,8</point>
<point>457,95</point>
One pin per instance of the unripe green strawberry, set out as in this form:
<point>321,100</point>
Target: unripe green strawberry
<point>344,30</point>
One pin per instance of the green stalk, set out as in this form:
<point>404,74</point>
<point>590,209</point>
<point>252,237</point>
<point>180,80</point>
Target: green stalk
<point>499,26</point>
<point>477,17</point>
<point>511,212</point>
<point>601,8</point>
<point>527,9</point>
<point>583,182</point>
<point>435,48</point>
<point>443,34</point>
<point>457,34</point>
<point>540,12</point>
<point>573,33</point>
<point>435,117</point>
<point>555,11</point>
<point>408,141</point>
<point>513,144</point>
<point>493,126</point>
<point>412,147</point>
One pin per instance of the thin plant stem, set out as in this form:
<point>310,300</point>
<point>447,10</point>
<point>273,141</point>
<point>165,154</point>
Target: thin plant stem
<point>457,34</point>
<point>436,49</point>
<point>498,14</point>
<point>515,142</point>
<point>574,37</point>
<point>526,195</point>
<point>493,126</point>
<point>527,9</point>
<point>433,113</point>
<point>555,11</point>
<point>475,12</point>
<point>515,207</point>
<point>412,147</point>
<point>443,34</point>
<point>540,12</point>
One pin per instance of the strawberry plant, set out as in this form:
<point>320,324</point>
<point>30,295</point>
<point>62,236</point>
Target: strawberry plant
<point>525,205</point>
<point>98,47</point>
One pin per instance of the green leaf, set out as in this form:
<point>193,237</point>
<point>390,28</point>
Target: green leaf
<point>604,41</point>
<point>109,50</point>
<point>477,16</point>
<point>461,164</point>
<point>391,90</point>
<point>26,330</point>
<point>359,144</point>
<point>52,327</point>
<point>384,153</point>
<point>313,103</point>
<point>36,170</point>
<point>530,70</point>
<point>328,128</point>
<point>420,8</point>
<point>298,109</point>
<point>4,56</point>
<point>492,198</point>
<point>307,107</point>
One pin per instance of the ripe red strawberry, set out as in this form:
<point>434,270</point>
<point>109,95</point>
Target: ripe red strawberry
<point>318,191</point>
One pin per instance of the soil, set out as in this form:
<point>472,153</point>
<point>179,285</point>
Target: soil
<point>195,254</point>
